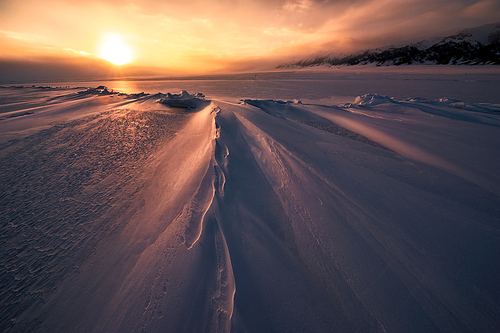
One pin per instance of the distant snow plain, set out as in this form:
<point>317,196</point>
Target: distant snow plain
<point>345,200</point>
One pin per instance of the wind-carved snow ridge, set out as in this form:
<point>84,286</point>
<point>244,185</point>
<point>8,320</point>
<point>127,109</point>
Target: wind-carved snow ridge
<point>222,297</point>
<point>203,225</point>
<point>194,212</point>
<point>225,298</point>
<point>222,303</point>
<point>265,216</point>
<point>221,159</point>
<point>475,112</point>
<point>213,181</point>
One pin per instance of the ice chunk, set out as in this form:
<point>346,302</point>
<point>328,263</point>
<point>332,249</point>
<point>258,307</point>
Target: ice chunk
<point>183,100</point>
<point>455,103</point>
<point>372,99</point>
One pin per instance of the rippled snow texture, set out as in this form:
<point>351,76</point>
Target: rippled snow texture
<point>122,214</point>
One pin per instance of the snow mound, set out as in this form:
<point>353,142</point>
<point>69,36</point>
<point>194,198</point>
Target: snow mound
<point>101,91</point>
<point>372,99</point>
<point>454,103</point>
<point>416,100</point>
<point>183,100</point>
<point>490,108</point>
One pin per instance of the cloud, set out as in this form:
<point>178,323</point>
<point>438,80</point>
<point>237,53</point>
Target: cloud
<point>173,33</point>
<point>489,9</point>
<point>77,52</point>
<point>298,5</point>
<point>22,37</point>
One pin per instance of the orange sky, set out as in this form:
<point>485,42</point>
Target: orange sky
<point>193,36</point>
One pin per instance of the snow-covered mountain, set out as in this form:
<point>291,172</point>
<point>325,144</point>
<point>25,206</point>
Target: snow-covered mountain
<point>475,46</point>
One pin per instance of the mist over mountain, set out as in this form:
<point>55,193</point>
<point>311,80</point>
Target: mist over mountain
<point>474,46</point>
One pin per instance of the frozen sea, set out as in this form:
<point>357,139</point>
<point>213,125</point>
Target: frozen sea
<point>471,84</point>
<point>339,200</point>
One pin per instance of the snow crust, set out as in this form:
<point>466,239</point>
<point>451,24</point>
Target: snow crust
<point>175,212</point>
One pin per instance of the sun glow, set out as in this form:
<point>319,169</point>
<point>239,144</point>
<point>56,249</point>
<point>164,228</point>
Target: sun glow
<point>115,50</point>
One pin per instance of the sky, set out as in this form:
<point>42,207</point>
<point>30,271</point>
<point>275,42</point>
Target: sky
<point>196,37</point>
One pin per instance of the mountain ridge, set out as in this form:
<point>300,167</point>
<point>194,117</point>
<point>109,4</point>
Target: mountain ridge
<point>473,46</point>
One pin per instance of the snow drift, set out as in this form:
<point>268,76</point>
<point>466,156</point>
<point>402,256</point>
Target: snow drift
<point>121,214</point>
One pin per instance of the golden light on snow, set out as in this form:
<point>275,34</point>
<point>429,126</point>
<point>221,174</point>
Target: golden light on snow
<point>115,50</point>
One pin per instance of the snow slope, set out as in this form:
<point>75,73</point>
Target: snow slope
<point>122,214</point>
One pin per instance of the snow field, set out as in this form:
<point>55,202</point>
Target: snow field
<point>164,212</point>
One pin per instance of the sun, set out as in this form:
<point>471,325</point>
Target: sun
<point>115,50</point>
